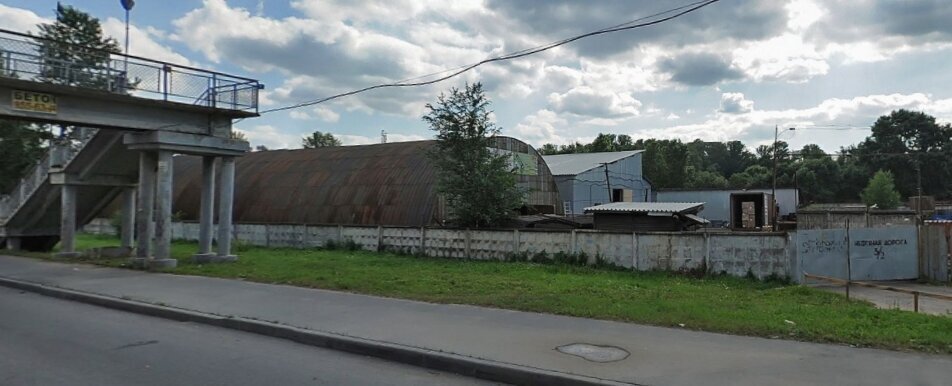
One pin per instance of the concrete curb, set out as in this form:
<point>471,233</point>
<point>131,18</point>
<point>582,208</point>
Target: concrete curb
<point>420,357</point>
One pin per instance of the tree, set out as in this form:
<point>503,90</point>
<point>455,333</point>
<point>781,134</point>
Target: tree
<point>881,191</point>
<point>548,149</point>
<point>74,50</point>
<point>703,179</point>
<point>905,142</point>
<point>21,145</point>
<point>238,135</point>
<point>753,177</point>
<point>477,183</point>
<point>318,139</point>
<point>261,148</point>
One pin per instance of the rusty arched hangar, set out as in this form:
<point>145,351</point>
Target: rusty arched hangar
<point>381,184</point>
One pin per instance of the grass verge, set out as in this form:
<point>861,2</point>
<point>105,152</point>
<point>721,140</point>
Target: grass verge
<point>719,304</point>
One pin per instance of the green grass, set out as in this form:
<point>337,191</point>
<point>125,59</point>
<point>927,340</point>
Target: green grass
<point>720,304</point>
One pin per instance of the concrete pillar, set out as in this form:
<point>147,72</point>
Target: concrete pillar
<point>163,212</point>
<point>13,243</point>
<point>68,222</point>
<point>127,228</point>
<point>226,188</point>
<point>207,214</point>
<point>145,209</point>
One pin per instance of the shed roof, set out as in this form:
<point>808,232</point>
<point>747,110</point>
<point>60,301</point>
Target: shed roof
<point>646,207</point>
<point>574,164</point>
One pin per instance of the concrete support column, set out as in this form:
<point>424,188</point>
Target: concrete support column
<point>127,228</point>
<point>207,214</point>
<point>13,243</point>
<point>163,212</point>
<point>68,222</point>
<point>226,187</point>
<point>145,208</point>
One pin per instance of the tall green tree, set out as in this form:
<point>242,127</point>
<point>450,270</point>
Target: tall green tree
<point>318,139</point>
<point>910,143</point>
<point>477,183</point>
<point>881,191</point>
<point>75,51</point>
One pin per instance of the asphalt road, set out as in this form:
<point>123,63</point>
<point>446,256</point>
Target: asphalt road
<point>47,341</point>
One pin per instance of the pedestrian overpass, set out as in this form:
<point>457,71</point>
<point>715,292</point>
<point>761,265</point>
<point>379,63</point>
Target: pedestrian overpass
<point>130,115</point>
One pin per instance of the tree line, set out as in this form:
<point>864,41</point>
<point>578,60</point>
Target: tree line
<point>910,145</point>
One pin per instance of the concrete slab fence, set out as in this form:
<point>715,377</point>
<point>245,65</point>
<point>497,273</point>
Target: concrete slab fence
<point>761,254</point>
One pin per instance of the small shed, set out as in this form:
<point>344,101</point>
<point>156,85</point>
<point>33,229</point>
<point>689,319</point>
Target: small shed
<point>648,216</point>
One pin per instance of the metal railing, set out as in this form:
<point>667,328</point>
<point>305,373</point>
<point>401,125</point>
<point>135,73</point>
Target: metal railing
<point>848,283</point>
<point>59,155</point>
<point>34,58</point>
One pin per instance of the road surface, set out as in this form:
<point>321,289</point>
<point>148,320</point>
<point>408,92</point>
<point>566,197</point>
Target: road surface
<point>47,341</point>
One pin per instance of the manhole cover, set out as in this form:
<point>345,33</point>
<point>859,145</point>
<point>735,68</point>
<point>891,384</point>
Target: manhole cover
<point>594,353</point>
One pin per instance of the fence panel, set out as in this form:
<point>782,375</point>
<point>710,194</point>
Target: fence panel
<point>537,242</point>
<point>403,240</point>
<point>491,245</point>
<point>286,236</point>
<point>365,237</point>
<point>613,248</point>
<point>740,254</point>
<point>445,243</point>
<point>319,235</point>
<point>253,234</point>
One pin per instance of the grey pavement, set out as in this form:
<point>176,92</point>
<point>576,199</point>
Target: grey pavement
<point>47,341</point>
<point>658,356</point>
<point>897,300</point>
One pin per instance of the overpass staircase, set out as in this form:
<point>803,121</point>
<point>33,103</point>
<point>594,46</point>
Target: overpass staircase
<point>94,160</point>
<point>121,106</point>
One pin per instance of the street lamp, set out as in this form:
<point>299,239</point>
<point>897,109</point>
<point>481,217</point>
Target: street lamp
<point>773,191</point>
<point>127,5</point>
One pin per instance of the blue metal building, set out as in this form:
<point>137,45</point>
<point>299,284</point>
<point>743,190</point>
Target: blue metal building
<point>581,178</point>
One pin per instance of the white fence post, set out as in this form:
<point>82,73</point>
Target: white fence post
<point>573,244</point>
<point>468,248</point>
<point>634,250</point>
<point>515,242</point>
<point>423,241</point>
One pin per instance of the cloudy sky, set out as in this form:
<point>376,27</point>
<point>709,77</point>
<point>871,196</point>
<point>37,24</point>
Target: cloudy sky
<point>732,70</point>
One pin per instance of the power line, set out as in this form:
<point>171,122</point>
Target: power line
<point>679,11</point>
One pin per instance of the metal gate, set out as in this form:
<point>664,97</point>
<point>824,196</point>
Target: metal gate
<point>860,253</point>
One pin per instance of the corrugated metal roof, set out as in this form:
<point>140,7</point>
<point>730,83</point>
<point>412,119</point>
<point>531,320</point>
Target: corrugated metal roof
<point>381,184</point>
<point>647,207</point>
<point>573,164</point>
<point>697,219</point>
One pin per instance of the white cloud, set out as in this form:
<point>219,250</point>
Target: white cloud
<point>588,102</point>
<point>735,103</point>
<point>756,126</point>
<point>320,112</point>
<point>20,20</point>
<point>271,137</point>
<point>349,139</point>
<point>540,128</point>
<point>144,43</point>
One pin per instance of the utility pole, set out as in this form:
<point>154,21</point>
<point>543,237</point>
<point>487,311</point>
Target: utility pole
<point>773,191</point>
<point>608,182</point>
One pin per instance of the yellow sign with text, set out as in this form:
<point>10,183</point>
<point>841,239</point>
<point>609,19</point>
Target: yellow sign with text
<point>34,101</point>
